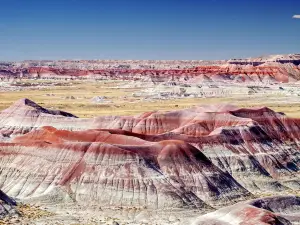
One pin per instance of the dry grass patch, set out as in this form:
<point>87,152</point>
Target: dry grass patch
<point>121,101</point>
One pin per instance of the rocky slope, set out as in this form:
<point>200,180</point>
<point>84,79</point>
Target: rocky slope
<point>199,158</point>
<point>274,68</point>
<point>276,210</point>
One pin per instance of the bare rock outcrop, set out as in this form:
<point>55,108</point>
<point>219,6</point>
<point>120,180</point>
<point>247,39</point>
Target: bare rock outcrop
<point>7,205</point>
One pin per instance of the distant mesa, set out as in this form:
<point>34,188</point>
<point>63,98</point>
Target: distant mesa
<point>271,68</point>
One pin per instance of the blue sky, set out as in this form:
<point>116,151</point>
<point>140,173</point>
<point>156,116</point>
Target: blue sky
<point>138,29</point>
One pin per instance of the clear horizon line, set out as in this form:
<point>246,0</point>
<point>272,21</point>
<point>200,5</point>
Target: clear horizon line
<point>107,59</point>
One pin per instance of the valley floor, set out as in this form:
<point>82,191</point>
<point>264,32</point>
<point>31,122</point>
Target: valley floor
<point>107,97</point>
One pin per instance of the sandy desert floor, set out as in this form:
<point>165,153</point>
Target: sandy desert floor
<point>76,97</point>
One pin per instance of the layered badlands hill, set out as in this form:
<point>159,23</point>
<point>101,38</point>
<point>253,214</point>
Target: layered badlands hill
<point>273,210</point>
<point>199,158</point>
<point>274,68</point>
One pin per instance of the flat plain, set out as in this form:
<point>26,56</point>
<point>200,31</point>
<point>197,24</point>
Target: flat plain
<point>76,97</point>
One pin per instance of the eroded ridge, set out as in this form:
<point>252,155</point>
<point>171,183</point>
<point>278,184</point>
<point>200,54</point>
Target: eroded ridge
<point>200,158</point>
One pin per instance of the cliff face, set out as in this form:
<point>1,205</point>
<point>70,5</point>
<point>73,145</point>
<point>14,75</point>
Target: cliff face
<point>282,68</point>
